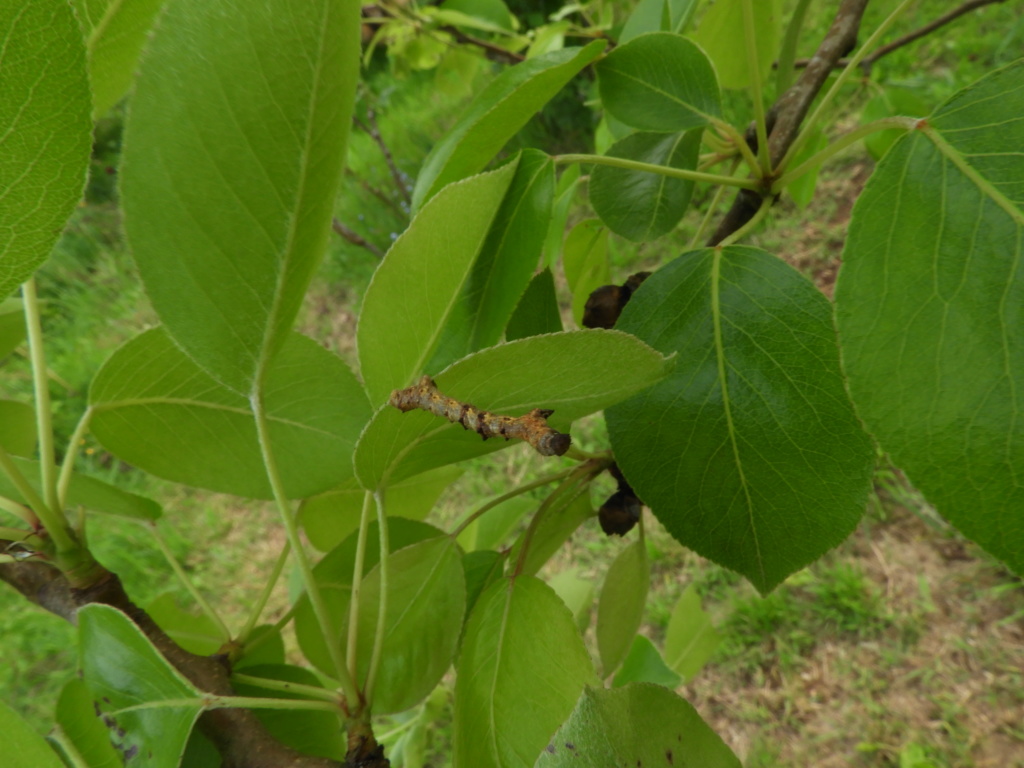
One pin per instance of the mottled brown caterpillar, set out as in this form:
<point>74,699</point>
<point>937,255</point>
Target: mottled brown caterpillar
<point>531,427</point>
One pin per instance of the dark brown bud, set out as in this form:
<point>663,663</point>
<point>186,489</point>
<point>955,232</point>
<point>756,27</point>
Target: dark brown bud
<point>620,513</point>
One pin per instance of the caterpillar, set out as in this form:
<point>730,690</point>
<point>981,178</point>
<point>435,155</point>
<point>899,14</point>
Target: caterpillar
<point>531,427</point>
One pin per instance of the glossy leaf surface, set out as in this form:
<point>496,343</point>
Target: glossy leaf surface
<point>644,206</point>
<point>45,132</point>
<point>417,286</point>
<point>659,82</point>
<point>122,669</point>
<point>750,452</point>
<point>520,672</point>
<point>573,373</point>
<point>537,311</point>
<point>227,202</point>
<point>638,724</point>
<point>930,303</point>
<point>620,608</point>
<point>23,747</point>
<point>77,718</point>
<point>722,36</point>
<point>156,409</point>
<point>496,115</point>
<point>690,639</point>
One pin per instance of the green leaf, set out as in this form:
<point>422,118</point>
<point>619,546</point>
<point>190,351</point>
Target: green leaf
<point>639,724</point>
<point>893,100</point>
<point>12,326</point>
<point>577,593</point>
<point>506,262</point>
<point>650,16</point>
<point>537,311</point>
<point>750,452</point>
<point>115,32</point>
<point>644,206</point>
<point>329,517</point>
<point>87,492</point>
<point>802,189</point>
<point>493,11</point>
<point>929,306</point>
<point>565,193</point>
<point>17,427</point>
<point>721,34</point>
<point>575,373</point>
<point>194,631</point>
<point>520,640</point>
<point>621,606</point>
<point>77,718</point>
<point>122,669</point>
<point>23,747</point>
<point>585,260</point>
<point>691,638</point>
<point>154,408</point>
<point>482,568</point>
<point>491,530</point>
<point>553,531</point>
<point>309,732</point>
<point>269,651</point>
<point>227,203</point>
<point>496,115</point>
<point>45,132</point>
<point>644,664</point>
<point>659,82</point>
<point>417,286</point>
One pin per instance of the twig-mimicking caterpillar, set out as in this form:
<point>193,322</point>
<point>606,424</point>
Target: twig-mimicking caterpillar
<point>531,427</point>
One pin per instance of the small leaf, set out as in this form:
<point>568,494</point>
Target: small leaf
<point>565,193</point>
<point>416,287</point>
<point>122,669</point>
<point>650,16</point>
<point>553,531</point>
<point>45,133</point>
<point>585,259</point>
<point>691,638</point>
<point>929,308</point>
<point>638,724</point>
<point>496,115</point>
<point>482,568</point>
<point>270,649</point>
<point>17,427</point>
<point>644,664</point>
<point>659,82</point>
<point>227,203</point>
<point>77,718</point>
<point>520,639</point>
<point>23,747</point>
<point>154,408</point>
<point>491,530</point>
<point>722,36</point>
<point>574,373</point>
<point>115,33</point>
<point>12,326</point>
<point>577,593</point>
<point>644,206</point>
<point>802,190</point>
<point>194,631</point>
<point>893,100</point>
<point>621,606</point>
<point>537,311</point>
<point>750,452</point>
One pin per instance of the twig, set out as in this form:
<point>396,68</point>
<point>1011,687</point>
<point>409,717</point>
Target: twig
<point>355,239</point>
<point>491,51</point>
<point>373,130</point>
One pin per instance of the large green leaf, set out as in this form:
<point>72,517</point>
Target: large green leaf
<point>12,326</point>
<point>115,32</point>
<point>574,373</point>
<point>417,286</point>
<point>750,452</point>
<point>45,132</point>
<point>639,724</point>
<point>723,37</point>
<point>506,262</point>
<point>155,408</point>
<point>537,311</point>
<point>233,152</point>
<point>122,669</point>
<point>659,82</point>
<point>521,670</point>
<point>23,747</point>
<point>78,720</point>
<point>496,115</point>
<point>620,608</point>
<point>644,206</point>
<point>930,308</point>
<point>690,639</point>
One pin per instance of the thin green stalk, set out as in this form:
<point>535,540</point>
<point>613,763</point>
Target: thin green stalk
<point>251,645</point>
<point>706,221</point>
<point>741,146</point>
<point>382,610</point>
<point>787,56</point>
<point>28,538</point>
<point>675,173</point>
<point>547,480</point>
<point>209,701</point>
<point>67,747</point>
<point>284,686</point>
<point>886,123</point>
<point>268,588</point>
<point>766,203</point>
<point>187,582</point>
<point>20,511</point>
<point>305,567</point>
<point>67,468</point>
<point>55,524</point>
<point>357,583</point>
<point>33,323</point>
<point>845,75</point>
<point>754,71</point>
